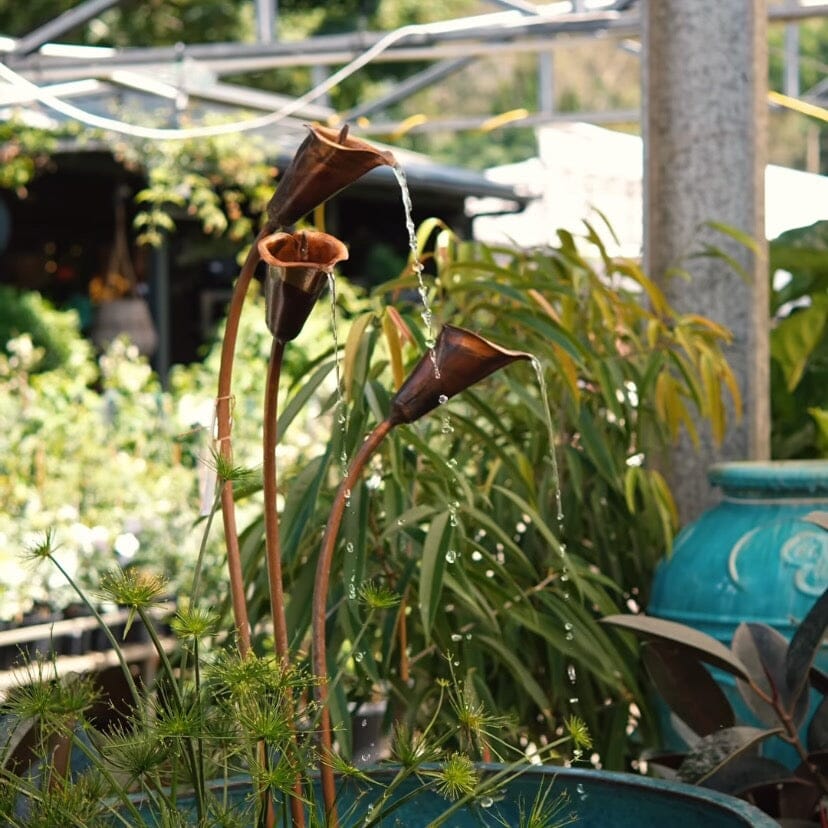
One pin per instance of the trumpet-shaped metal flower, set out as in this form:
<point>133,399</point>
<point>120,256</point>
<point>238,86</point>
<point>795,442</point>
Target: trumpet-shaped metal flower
<point>297,269</point>
<point>460,359</point>
<point>326,162</point>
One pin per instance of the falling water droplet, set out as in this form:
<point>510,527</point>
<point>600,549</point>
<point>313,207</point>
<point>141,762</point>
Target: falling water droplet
<point>342,410</point>
<point>349,548</point>
<point>358,657</point>
<point>364,723</point>
<point>451,556</point>
<point>486,802</point>
<point>456,637</point>
<point>556,482</point>
<point>442,399</point>
<point>570,671</point>
<point>416,264</point>
<point>476,556</point>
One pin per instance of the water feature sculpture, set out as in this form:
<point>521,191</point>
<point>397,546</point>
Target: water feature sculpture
<point>299,265</point>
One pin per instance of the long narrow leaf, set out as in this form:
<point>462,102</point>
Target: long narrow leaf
<point>432,568</point>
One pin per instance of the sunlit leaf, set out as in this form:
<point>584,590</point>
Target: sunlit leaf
<point>736,234</point>
<point>794,339</point>
<point>352,348</point>
<point>392,340</point>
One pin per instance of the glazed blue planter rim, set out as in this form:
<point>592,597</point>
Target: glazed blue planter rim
<point>714,803</point>
<point>783,476</point>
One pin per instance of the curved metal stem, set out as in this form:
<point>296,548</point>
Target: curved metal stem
<point>271,515</point>
<point>224,426</point>
<point>320,600</point>
<point>272,543</point>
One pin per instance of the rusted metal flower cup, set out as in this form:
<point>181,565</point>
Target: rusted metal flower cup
<point>460,359</point>
<point>326,162</point>
<point>298,265</point>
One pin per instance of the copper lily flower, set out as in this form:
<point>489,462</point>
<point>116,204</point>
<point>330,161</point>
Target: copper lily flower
<point>297,268</point>
<point>459,360</point>
<point>326,162</point>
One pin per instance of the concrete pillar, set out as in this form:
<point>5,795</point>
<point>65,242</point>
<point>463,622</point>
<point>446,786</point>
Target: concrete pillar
<point>705,125</point>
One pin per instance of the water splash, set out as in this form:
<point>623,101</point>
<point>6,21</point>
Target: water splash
<point>416,265</point>
<point>342,414</point>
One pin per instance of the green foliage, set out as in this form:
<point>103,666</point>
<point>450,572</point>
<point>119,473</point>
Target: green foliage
<point>101,470</point>
<point>22,152</point>
<point>95,452</point>
<point>53,334</point>
<point>774,679</point>
<point>799,343</point>
<point>221,181</point>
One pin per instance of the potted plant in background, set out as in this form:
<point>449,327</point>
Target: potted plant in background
<point>779,686</point>
<point>121,309</point>
<point>226,706</point>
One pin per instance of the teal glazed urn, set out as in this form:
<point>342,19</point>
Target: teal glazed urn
<point>751,557</point>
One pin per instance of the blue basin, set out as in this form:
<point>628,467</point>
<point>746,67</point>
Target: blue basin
<point>597,799</point>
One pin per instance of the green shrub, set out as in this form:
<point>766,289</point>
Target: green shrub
<point>799,343</point>
<point>54,332</point>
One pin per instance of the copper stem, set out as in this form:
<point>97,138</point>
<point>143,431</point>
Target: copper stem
<point>272,544</point>
<point>320,601</point>
<point>223,421</point>
<point>405,670</point>
<point>271,516</point>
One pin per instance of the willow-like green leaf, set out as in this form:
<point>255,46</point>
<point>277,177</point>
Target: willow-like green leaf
<point>432,567</point>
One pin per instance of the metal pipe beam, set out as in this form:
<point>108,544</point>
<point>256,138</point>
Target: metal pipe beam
<point>335,49</point>
<point>249,60</point>
<point>409,86</point>
<point>266,20</point>
<point>61,24</point>
<point>789,14</point>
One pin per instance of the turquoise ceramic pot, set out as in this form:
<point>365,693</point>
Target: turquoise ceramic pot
<point>751,557</point>
<point>598,799</point>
